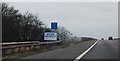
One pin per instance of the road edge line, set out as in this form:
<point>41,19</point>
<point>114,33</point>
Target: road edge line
<point>85,52</point>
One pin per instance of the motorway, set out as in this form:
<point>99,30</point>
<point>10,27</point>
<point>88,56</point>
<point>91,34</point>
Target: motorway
<point>104,49</point>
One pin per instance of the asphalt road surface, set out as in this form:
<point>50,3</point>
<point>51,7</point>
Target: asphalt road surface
<point>70,52</point>
<point>119,49</point>
<point>104,49</point>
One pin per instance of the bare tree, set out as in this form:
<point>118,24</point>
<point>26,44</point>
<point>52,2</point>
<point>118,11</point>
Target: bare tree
<point>63,33</point>
<point>20,27</point>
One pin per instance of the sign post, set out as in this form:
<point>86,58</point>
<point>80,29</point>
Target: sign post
<point>51,36</point>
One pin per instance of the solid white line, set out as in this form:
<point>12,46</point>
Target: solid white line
<point>80,56</point>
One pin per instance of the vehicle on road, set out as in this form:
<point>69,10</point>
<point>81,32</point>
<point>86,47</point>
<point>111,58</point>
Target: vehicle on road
<point>110,38</point>
<point>102,38</point>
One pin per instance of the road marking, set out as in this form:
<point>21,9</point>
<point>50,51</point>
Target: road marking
<point>80,56</point>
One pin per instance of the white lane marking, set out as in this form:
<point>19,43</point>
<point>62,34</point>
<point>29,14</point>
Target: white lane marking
<point>80,56</point>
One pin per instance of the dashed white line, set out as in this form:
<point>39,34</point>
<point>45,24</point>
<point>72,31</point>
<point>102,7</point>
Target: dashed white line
<point>81,55</point>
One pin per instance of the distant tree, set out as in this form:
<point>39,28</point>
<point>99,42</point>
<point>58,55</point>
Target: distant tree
<point>63,33</point>
<point>87,38</point>
<point>110,38</point>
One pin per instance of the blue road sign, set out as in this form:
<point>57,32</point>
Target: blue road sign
<point>54,25</point>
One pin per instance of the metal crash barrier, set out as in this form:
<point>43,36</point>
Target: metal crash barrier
<point>13,47</point>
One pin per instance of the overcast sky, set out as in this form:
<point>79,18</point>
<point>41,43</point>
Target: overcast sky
<point>81,18</point>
